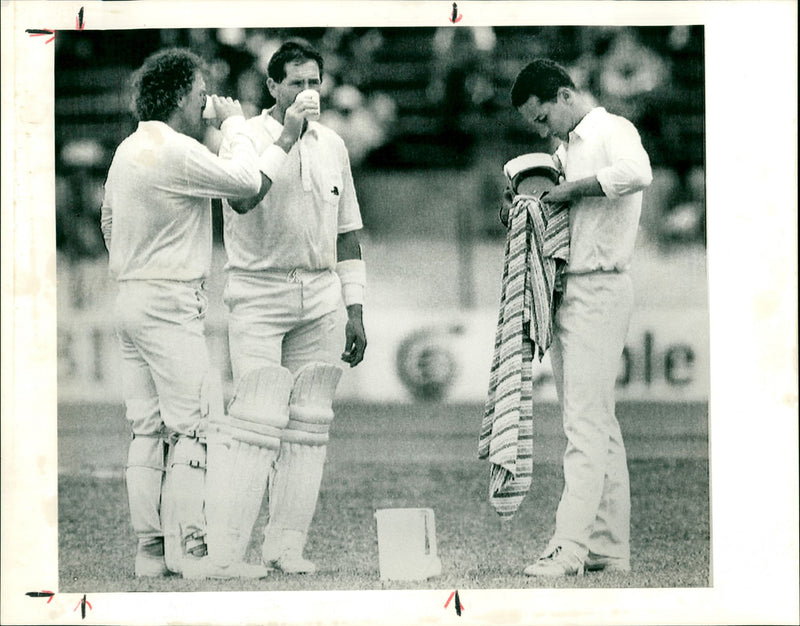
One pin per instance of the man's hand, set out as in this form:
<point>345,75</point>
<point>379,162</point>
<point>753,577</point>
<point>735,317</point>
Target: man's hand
<point>570,191</point>
<point>559,194</point>
<point>355,339</point>
<point>294,121</point>
<point>226,107</point>
<point>506,203</point>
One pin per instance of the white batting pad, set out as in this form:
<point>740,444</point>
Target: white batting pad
<point>310,406</point>
<point>294,486</point>
<point>182,501</point>
<point>293,492</point>
<point>143,477</point>
<point>241,450</point>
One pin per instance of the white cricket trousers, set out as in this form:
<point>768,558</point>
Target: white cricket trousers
<point>161,335</point>
<point>589,335</point>
<point>160,327</point>
<point>285,318</point>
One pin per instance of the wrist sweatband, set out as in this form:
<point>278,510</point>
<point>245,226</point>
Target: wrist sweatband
<point>271,161</point>
<point>353,274</point>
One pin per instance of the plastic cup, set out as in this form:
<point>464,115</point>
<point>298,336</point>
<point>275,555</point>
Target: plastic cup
<point>209,111</point>
<point>312,96</point>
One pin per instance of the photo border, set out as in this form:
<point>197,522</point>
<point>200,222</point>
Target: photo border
<point>751,137</point>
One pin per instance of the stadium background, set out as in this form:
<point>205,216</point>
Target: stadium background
<point>426,116</point>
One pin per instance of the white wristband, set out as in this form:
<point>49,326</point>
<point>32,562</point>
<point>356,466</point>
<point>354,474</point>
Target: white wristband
<point>271,161</point>
<point>353,274</point>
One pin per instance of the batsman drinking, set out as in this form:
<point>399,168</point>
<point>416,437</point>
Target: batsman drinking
<point>196,474</point>
<point>156,222</point>
<point>293,258</point>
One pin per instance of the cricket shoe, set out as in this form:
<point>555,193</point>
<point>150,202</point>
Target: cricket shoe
<point>202,568</point>
<point>289,563</point>
<point>597,563</point>
<point>146,566</point>
<point>556,564</point>
<point>283,550</point>
<point>149,562</point>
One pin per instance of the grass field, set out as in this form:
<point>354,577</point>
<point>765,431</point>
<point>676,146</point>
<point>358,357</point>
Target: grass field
<point>411,456</point>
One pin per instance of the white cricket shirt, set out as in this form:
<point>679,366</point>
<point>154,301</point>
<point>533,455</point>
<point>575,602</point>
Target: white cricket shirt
<point>310,202</point>
<point>603,229</point>
<point>156,213</point>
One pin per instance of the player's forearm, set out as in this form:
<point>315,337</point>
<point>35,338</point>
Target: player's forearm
<point>348,246</point>
<point>247,204</point>
<point>270,162</point>
<point>574,190</point>
<point>105,225</point>
<point>355,311</point>
<point>584,187</point>
<point>352,271</point>
<point>286,141</point>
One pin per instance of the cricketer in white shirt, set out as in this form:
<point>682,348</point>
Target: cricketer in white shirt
<point>158,194</point>
<point>310,202</point>
<point>603,228</point>
<point>282,291</point>
<point>156,221</point>
<point>605,168</point>
<point>591,325</point>
<point>293,259</point>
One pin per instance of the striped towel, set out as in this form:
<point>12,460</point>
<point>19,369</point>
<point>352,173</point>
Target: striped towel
<point>537,236</point>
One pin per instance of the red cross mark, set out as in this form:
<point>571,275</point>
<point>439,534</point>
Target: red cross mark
<point>458,606</point>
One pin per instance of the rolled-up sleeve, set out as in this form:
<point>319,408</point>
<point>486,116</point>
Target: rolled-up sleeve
<point>349,212</point>
<point>207,175</point>
<point>630,169</point>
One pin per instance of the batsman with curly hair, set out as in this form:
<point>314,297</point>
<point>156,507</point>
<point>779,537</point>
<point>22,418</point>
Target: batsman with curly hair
<point>156,222</point>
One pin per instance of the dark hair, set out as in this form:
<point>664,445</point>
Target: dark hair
<point>541,78</point>
<point>295,50</point>
<point>164,78</point>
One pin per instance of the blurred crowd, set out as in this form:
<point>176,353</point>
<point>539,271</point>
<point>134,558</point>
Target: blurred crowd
<point>414,99</point>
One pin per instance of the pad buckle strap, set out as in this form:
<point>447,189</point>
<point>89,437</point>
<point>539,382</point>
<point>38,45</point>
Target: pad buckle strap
<point>173,437</point>
<point>195,544</point>
<point>155,436</point>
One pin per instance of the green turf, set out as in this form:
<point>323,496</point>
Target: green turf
<point>670,531</point>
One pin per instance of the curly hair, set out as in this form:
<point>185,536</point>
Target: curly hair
<point>164,78</point>
<point>291,51</point>
<point>541,78</point>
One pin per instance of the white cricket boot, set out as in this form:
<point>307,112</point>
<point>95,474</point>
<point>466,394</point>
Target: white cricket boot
<point>556,563</point>
<point>195,568</point>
